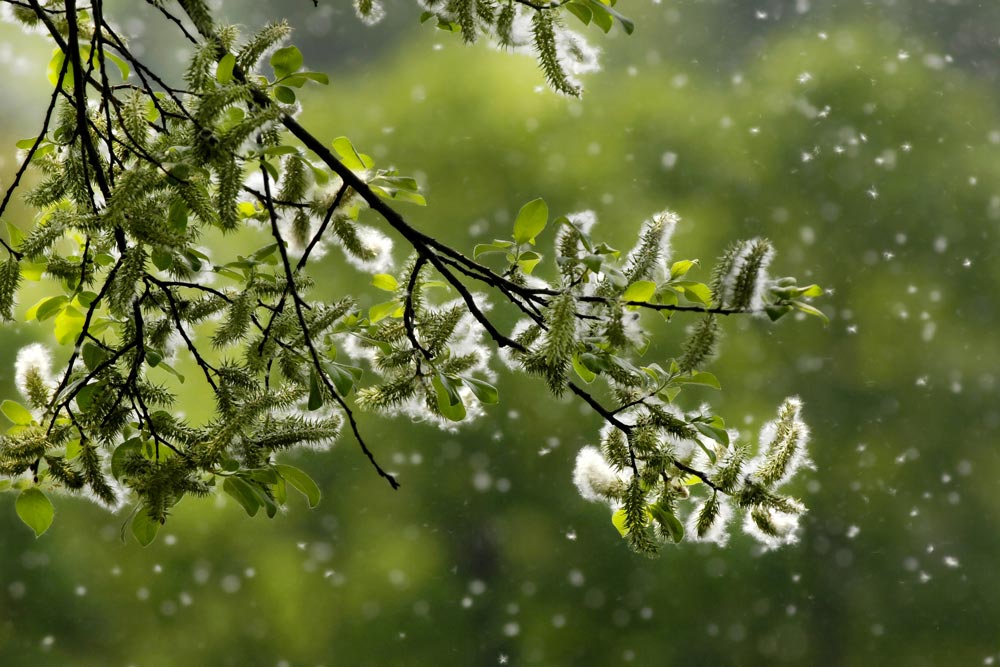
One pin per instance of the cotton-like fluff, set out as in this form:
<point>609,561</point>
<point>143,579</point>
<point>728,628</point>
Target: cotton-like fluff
<point>785,529</point>
<point>576,55</point>
<point>379,245</point>
<point>33,368</point>
<point>782,448</point>
<point>593,475</point>
<point>761,252</point>
<point>369,11</point>
<point>650,258</point>
<point>718,532</point>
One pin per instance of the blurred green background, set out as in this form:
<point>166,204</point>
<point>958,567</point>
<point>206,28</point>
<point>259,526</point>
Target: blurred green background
<point>864,139</point>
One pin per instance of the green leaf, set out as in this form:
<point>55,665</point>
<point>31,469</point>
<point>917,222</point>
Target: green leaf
<point>811,291</point>
<point>170,369</point>
<point>618,521</point>
<point>449,401</point>
<point>484,391</point>
<point>14,232</point>
<point>600,15</point>
<point>680,269</point>
<point>381,311</point>
<point>163,259</point>
<point>315,393</point>
<point>580,11</point>
<point>33,270</point>
<point>285,61</point>
<point>241,491</point>
<point>343,377</point>
<point>701,377</point>
<point>804,307</point>
<point>85,396</point>
<point>777,312</point>
<point>720,435</point>
<point>177,215</point>
<point>122,66</point>
<point>531,220</point>
<point>224,70</point>
<point>487,248</point>
<point>384,281</point>
<point>16,413</point>
<point>284,94</point>
<point>318,77</point>
<point>46,308</point>
<point>55,66</point>
<point>641,291</point>
<point>696,292</point>
<point>35,509</point>
<point>144,527</point>
<point>527,261</point>
<point>69,324</point>
<point>73,449</point>
<point>670,523</point>
<point>121,453</point>
<point>349,155</point>
<point>301,481</point>
<point>585,373</point>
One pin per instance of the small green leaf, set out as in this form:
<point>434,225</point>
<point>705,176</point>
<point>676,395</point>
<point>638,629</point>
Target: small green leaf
<point>343,377</point>
<point>122,66</point>
<point>315,393</point>
<point>582,12</point>
<point>68,325</point>
<point>16,413</point>
<point>122,453</point>
<point>618,520</point>
<point>285,61</point>
<point>384,281</point>
<point>163,259</point>
<point>804,307</point>
<point>144,527</point>
<point>35,509</point>
<point>487,248</point>
<point>527,261</point>
<point>241,491</point>
<point>696,292</point>
<point>641,291</point>
<point>600,16</point>
<point>56,65</point>
<point>484,391</point>
<point>720,435</point>
<point>777,312</point>
<point>449,401</point>
<point>381,311</point>
<point>170,369</point>
<point>349,155</point>
<point>680,269</point>
<point>811,291</point>
<point>46,308</point>
<point>585,373</point>
<point>301,481</point>
<point>284,94</point>
<point>531,220</point>
<point>701,377</point>
<point>73,449</point>
<point>85,396</point>
<point>14,232</point>
<point>669,522</point>
<point>224,70</point>
<point>177,215</point>
<point>318,77</point>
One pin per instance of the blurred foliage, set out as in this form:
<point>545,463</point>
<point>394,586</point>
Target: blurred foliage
<point>847,138</point>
